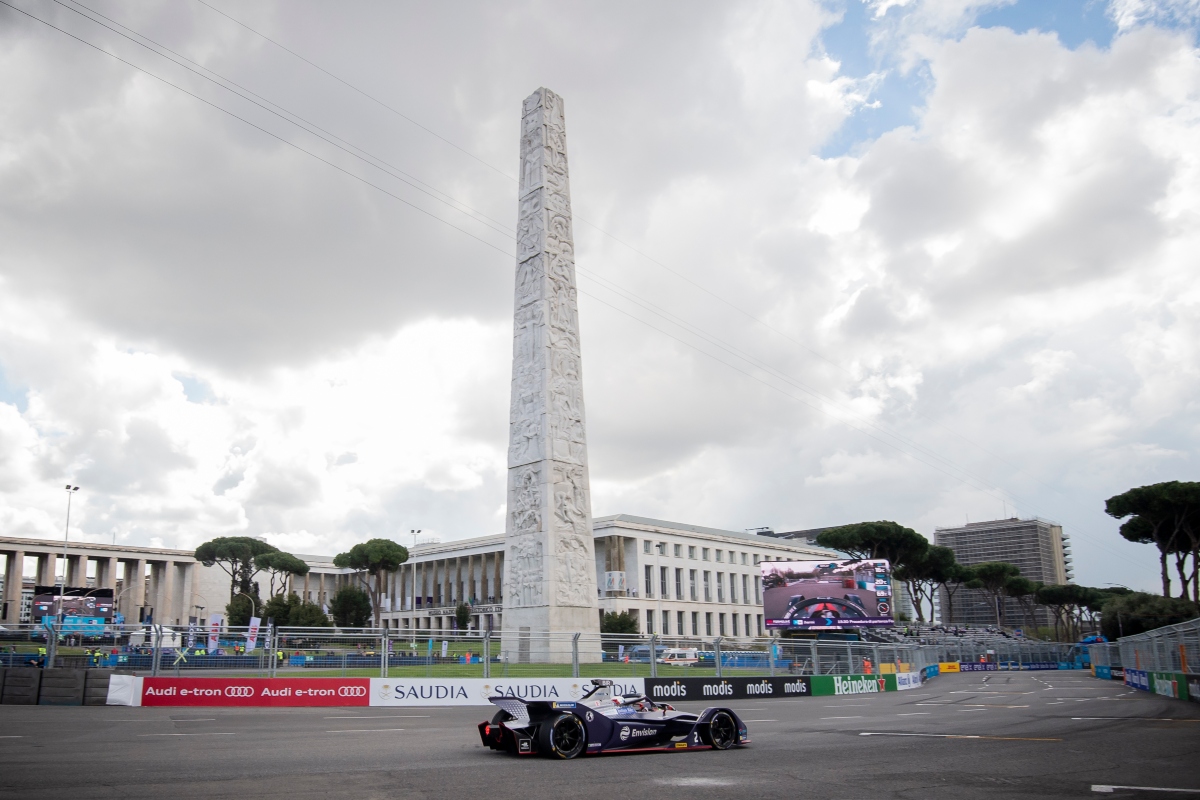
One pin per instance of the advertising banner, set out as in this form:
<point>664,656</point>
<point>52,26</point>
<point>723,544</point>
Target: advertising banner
<point>255,691</point>
<point>717,690</point>
<point>948,666</point>
<point>827,594</point>
<point>476,691</point>
<point>1102,671</point>
<point>1137,678</point>
<point>1169,684</point>
<point>214,632</point>
<point>836,685</point>
<point>252,634</point>
<point>979,666</point>
<point>1118,673</point>
<point>907,680</point>
<point>1193,687</point>
<point>931,671</point>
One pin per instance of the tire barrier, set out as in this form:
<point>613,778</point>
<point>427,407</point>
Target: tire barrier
<point>62,687</point>
<point>21,686</point>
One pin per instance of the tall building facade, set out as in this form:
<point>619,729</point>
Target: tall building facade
<point>1037,547</point>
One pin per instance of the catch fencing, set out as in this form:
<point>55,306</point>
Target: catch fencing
<point>1173,648</point>
<point>329,652</point>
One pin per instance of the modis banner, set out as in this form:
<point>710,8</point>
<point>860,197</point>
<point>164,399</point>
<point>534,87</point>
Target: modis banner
<point>255,691</point>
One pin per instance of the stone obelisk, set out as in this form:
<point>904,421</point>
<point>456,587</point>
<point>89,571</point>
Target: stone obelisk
<point>550,580</point>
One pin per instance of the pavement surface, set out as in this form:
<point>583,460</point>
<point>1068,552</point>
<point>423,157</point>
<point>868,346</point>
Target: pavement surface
<point>1019,735</point>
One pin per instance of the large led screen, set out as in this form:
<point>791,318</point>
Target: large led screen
<point>82,609</point>
<point>834,595</point>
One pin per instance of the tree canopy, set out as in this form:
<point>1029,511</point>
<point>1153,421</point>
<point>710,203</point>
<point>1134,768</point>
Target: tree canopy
<point>350,607</point>
<point>1166,515</point>
<point>279,564</point>
<point>882,539</point>
<point>236,555</point>
<point>462,616</point>
<point>290,610</point>
<point>619,622</point>
<point>1138,612</point>
<point>991,576</point>
<point>923,574</point>
<point>374,557</point>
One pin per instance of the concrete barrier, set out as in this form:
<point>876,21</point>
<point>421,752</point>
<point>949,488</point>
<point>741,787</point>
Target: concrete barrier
<point>21,686</point>
<point>62,687</point>
<point>95,690</point>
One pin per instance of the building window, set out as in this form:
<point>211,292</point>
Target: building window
<point>745,594</point>
<point>756,558</point>
<point>649,581</point>
<point>720,555</point>
<point>743,559</point>
<point>692,582</point>
<point>662,548</point>
<point>646,546</point>
<point>747,624</point>
<point>704,554</point>
<point>678,551</point>
<point>708,623</point>
<point>721,623</point>
<point>666,615</point>
<point>695,623</point>
<point>720,586</point>
<point>662,586</point>
<point>649,621</point>
<point>679,588</point>
<point>759,625</point>
<point>732,588</point>
<point>707,586</point>
<point>691,553</point>
<point>757,591</point>
<point>733,619</point>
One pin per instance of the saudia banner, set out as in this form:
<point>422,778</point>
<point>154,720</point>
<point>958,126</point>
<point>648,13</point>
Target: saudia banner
<point>476,691</point>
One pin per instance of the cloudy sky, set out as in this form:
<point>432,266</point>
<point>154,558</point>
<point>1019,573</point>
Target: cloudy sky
<point>921,260</point>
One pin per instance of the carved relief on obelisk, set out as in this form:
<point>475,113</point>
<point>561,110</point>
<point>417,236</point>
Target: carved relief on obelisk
<point>551,582</point>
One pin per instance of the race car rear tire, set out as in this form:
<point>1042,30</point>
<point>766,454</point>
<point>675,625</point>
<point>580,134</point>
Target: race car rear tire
<point>501,716</point>
<point>722,731</point>
<point>562,737</point>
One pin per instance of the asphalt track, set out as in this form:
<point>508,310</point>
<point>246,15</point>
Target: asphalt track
<point>1020,735</point>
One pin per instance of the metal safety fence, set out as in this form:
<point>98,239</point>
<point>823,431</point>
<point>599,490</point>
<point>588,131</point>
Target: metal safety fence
<point>315,652</point>
<point>1172,648</point>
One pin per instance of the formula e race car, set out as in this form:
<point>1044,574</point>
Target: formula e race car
<point>600,722</point>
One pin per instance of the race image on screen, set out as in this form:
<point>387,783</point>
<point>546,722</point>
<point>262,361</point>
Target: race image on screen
<point>82,609</point>
<point>827,594</point>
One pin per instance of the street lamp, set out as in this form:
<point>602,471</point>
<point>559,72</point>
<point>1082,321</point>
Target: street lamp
<point>66,535</point>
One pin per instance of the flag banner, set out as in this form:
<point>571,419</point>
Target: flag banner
<point>214,632</point>
<point>252,634</point>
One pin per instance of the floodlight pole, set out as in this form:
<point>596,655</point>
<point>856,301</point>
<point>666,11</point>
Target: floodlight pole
<point>62,585</point>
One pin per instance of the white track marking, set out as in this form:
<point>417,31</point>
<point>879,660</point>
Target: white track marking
<point>383,716</point>
<point>1143,719</point>
<point>966,736</point>
<point>1105,788</point>
<point>187,734</point>
<point>762,720</point>
<point>368,730</point>
<point>841,717</point>
<point>914,713</point>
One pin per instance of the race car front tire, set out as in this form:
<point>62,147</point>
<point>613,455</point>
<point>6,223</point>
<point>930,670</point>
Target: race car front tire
<point>722,731</point>
<point>562,737</point>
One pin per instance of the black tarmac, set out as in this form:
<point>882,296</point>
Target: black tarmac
<point>1019,735</point>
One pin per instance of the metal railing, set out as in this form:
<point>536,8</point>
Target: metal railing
<point>163,650</point>
<point>1172,648</point>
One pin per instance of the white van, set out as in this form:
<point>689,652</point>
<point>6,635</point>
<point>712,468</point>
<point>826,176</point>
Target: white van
<point>680,655</point>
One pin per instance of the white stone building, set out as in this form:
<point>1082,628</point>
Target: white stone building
<point>678,579</point>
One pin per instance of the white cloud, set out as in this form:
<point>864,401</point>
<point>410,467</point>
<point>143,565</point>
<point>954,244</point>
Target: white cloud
<point>219,334</point>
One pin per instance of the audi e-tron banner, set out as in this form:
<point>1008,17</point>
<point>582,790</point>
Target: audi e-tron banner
<point>835,595</point>
<point>255,691</point>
